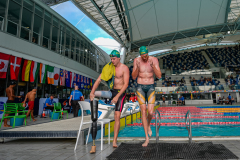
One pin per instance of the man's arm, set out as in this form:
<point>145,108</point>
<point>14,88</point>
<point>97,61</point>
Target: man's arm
<point>49,105</point>
<point>95,86</point>
<point>135,68</point>
<point>25,99</point>
<point>156,69</point>
<point>83,98</point>
<point>70,100</point>
<point>12,95</point>
<point>125,81</point>
<point>24,102</point>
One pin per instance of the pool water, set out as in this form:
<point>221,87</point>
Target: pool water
<point>181,131</point>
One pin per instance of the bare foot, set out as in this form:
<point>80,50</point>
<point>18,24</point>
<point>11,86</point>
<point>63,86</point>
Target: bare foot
<point>115,145</point>
<point>34,120</point>
<point>6,125</point>
<point>146,142</point>
<point>149,131</point>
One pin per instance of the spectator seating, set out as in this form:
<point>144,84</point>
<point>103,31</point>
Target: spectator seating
<point>184,61</point>
<point>223,56</point>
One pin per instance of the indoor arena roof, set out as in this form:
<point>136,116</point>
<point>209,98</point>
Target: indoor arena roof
<point>134,23</point>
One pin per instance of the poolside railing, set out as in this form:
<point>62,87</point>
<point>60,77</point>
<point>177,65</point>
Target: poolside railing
<point>189,125</point>
<point>158,124</point>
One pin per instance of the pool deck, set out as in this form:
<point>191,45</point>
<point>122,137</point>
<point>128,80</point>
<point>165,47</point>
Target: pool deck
<point>62,149</point>
<point>56,148</point>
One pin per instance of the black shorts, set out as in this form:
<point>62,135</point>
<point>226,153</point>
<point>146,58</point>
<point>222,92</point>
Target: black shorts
<point>10,101</point>
<point>121,99</point>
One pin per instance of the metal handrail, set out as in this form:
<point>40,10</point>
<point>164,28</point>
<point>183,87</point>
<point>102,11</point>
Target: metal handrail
<point>157,127</point>
<point>189,126</point>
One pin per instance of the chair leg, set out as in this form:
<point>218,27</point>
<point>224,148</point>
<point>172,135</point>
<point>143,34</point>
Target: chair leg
<point>79,132</point>
<point>109,133</point>
<point>13,122</point>
<point>101,136</point>
<point>1,121</point>
<point>52,116</point>
<point>88,134</point>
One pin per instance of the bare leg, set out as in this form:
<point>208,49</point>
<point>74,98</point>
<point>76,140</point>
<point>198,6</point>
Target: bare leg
<point>28,113</point>
<point>32,116</point>
<point>145,123</point>
<point>150,115</point>
<point>5,121</point>
<point>116,127</point>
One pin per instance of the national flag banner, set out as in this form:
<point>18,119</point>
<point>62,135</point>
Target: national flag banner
<point>68,79</point>
<point>43,73</point>
<point>74,80</point>
<point>50,74</point>
<point>4,60</point>
<point>79,81</point>
<point>34,71</point>
<point>15,63</point>
<point>85,82</point>
<point>26,70</point>
<point>56,76</point>
<point>91,83</point>
<point>62,77</point>
<point>88,84</point>
<point>71,82</point>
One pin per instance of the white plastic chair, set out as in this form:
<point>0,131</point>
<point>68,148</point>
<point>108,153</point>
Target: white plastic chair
<point>86,106</point>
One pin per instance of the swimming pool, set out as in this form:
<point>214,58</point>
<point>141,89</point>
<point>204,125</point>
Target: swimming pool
<point>206,120</point>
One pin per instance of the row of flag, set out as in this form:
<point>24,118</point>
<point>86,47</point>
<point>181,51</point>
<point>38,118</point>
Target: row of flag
<point>31,70</point>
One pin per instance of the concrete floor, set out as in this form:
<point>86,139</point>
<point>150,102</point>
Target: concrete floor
<point>62,149</point>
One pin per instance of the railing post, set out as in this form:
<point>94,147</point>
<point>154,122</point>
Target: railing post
<point>188,115</point>
<point>156,127</point>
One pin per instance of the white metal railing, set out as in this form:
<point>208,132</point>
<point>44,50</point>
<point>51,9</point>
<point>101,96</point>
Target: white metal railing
<point>157,124</point>
<point>189,126</point>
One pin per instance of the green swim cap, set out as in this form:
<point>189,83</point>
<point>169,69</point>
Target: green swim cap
<point>115,53</point>
<point>143,50</point>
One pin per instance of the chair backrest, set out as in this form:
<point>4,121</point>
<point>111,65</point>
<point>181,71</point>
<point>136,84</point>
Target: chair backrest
<point>85,105</point>
<point>57,106</point>
<point>20,106</point>
<point>10,108</point>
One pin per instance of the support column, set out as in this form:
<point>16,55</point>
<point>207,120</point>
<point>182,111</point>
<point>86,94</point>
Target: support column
<point>97,60</point>
<point>124,50</point>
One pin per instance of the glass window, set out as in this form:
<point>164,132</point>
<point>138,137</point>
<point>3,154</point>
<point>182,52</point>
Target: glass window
<point>55,21</point>
<point>64,92</point>
<point>2,8</point>
<point>37,29</point>
<point>72,46</point>
<point>46,34</point>
<point>77,50</point>
<point>54,38</point>
<point>38,10</point>
<point>67,46</point>
<point>81,52</point>
<point>47,16</point>
<point>13,17</point>
<point>2,87</point>
<point>18,1</point>
<point>61,39</point>
<point>28,4</point>
<point>2,13</point>
<point>26,24</point>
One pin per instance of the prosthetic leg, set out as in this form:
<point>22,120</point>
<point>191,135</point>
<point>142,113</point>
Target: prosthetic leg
<point>94,117</point>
